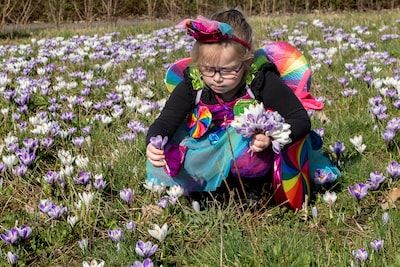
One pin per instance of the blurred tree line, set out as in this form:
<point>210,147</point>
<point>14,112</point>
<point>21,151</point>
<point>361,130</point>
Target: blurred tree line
<point>59,11</point>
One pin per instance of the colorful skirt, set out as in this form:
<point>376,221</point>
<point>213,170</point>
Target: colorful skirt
<point>209,160</point>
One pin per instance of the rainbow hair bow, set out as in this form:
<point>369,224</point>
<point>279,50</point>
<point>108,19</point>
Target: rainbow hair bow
<point>210,31</point>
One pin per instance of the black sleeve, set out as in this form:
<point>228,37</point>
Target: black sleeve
<point>177,107</point>
<point>279,97</point>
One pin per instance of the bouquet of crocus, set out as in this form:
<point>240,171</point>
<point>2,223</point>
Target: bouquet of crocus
<point>255,120</point>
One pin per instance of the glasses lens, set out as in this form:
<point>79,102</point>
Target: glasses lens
<point>226,73</point>
<point>207,71</point>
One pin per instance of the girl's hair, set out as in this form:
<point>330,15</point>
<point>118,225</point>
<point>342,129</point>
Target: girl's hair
<point>241,29</point>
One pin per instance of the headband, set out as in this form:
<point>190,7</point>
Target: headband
<point>210,31</point>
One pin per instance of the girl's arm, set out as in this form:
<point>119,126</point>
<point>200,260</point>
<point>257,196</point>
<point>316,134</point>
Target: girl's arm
<point>279,97</point>
<point>179,104</point>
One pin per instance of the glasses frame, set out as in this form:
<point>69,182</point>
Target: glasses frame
<point>220,71</point>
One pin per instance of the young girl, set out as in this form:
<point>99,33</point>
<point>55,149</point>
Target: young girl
<point>200,156</point>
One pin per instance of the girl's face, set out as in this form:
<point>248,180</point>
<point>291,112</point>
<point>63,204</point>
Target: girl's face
<point>225,73</point>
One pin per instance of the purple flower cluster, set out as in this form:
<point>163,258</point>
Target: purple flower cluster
<point>391,129</point>
<point>135,128</point>
<point>83,178</point>
<point>54,178</point>
<point>378,108</point>
<point>259,123</point>
<point>16,234</point>
<point>52,210</point>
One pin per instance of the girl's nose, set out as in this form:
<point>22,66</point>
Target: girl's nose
<point>217,77</point>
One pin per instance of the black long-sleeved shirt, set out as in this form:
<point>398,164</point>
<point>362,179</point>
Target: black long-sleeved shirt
<point>267,87</point>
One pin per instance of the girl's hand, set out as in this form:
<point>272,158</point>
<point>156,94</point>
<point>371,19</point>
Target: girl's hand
<point>260,142</point>
<point>155,156</point>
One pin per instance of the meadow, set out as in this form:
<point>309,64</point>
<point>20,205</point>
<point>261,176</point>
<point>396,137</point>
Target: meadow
<point>75,105</point>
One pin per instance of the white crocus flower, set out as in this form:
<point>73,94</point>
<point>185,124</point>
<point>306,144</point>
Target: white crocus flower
<point>65,157</point>
<point>330,198</point>
<point>86,198</point>
<point>154,187</point>
<point>67,171</point>
<point>175,191</point>
<point>10,160</point>
<point>4,111</point>
<point>93,263</point>
<point>81,161</point>
<point>106,119</point>
<point>357,141</point>
<point>72,220</point>
<point>83,244</point>
<point>10,139</point>
<point>196,206</point>
<point>158,232</point>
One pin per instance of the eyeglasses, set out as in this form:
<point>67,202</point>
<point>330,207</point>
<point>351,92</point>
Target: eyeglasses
<point>226,73</point>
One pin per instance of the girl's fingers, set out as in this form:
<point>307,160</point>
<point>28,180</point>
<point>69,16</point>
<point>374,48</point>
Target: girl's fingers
<point>255,148</point>
<point>154,150</point>
<point>157,163</point>
<point>155,157</point>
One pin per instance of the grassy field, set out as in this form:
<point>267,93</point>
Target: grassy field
<point>75,106</point>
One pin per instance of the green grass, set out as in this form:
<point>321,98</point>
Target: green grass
<point>222,234</point>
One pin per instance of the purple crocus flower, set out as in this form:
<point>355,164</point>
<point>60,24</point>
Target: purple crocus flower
<point>338,148</point>
<point>115,235</point>
<point>130,225</point>
<point>20,170</point>
<point>146,263</point>
<point>126,195</point>
<point>388,135</point>
<point>52,177</point>
<point>324,176</point>
<point>68,116</point>
<point>3,167</point>
<point>24,231</point>
<point>163,202</point>
<point>320,132</point>
<point>71,130</point>
<point>10,237</point>
<point>361,255</point>
<point>136,127</point>
<point>99,183</point>
<point>13,147</point>
<point>31,143</point>
<point>83,178</point>
<point>25,156</point>
<point>358,191</point>
<point>158,141</point>
<point>86,130</point>
<point>145,249</point>
<point>393,169</point>
<point>56,211</point>
<point>377,245</point>
<point>78,141</point>
<point>375,180</point>
<point>47,142</point>
<point>45,205</point>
